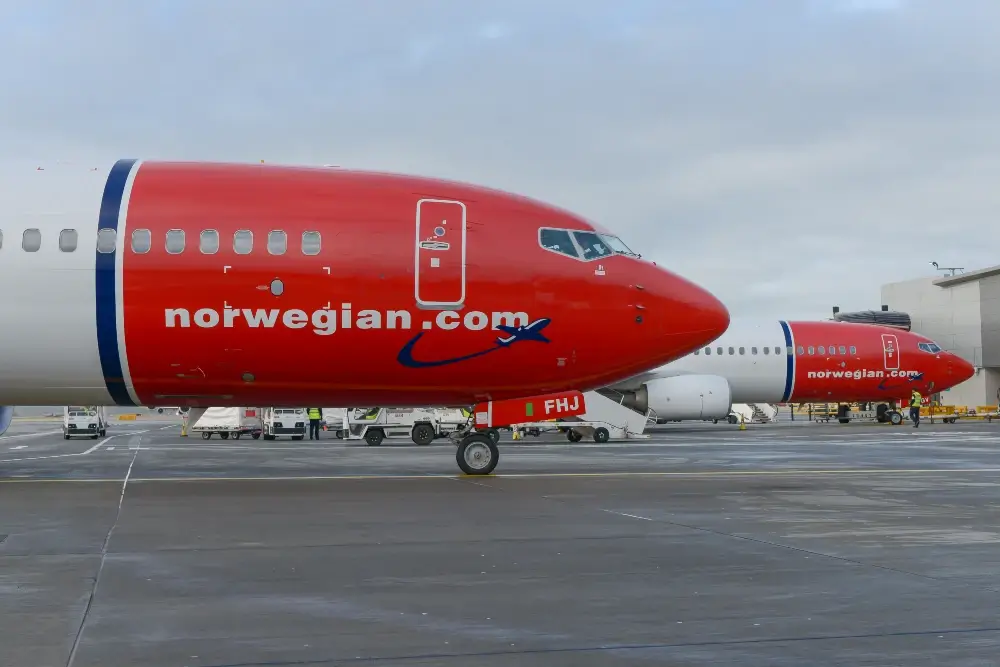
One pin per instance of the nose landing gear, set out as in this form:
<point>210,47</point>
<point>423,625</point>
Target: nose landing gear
<point>477,454</point>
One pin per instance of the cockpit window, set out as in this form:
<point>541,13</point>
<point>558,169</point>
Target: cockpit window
<point>933,348</point>
<point>617,246</point>
<point>558,240</point>
<point>594,247</point>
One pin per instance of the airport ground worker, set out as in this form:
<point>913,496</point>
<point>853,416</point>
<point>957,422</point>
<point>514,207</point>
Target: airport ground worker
<point>315,415</point>
<point>915,408</point>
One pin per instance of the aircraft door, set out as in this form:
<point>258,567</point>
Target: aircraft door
<point>890,352</point>
<point>266,272</point>
<point>439,271</point>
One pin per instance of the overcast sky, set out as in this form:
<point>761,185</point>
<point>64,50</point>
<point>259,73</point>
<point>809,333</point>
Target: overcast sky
<point>789,155</point>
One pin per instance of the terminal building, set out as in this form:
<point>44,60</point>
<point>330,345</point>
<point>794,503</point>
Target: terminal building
<point>961,313</point>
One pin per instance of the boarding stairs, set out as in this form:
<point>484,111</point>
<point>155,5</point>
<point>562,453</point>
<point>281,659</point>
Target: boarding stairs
<point>760,413</point>
<point>764,412</point>
<point>606,409</point>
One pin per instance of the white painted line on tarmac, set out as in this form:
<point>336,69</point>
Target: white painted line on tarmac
<point>28,435</point>
<point>631,516</point>
<point>18,447</point>
<point>63,456</point>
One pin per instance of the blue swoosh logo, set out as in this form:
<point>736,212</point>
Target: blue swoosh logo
<point>913,378</point>
<point>514,335</point>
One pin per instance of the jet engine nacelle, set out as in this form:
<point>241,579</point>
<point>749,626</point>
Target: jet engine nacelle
<point>683,397</point>
<point>6,416</point>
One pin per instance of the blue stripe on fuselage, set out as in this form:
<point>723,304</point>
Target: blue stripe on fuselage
<point>107,316</point>
<point>790,362</point>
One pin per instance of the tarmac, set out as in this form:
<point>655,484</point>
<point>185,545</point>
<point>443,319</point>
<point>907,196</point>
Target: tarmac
<point>785,544</point>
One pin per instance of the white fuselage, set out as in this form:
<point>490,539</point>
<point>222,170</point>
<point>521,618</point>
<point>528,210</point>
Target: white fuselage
<point>739,356</point>
<point>52,355</point>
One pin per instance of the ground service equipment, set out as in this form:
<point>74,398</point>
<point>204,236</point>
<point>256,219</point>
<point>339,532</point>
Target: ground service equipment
<point>90,421</point>
<point>293,422</point>
<point>225,422</point>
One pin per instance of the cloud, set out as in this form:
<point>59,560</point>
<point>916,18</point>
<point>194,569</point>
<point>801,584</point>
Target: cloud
<point>787,159</point>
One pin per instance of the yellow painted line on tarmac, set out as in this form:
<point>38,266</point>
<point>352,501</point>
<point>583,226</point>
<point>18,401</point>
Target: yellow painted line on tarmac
<point>540,475</point>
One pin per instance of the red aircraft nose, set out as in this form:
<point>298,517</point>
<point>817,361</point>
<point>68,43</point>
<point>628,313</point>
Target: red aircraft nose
<point>679,315</point>
<point>959,370</point>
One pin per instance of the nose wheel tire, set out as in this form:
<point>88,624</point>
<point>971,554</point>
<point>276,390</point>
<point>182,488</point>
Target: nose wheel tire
<point>477,454</point>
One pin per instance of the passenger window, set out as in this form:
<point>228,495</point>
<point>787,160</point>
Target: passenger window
<point>767,350</point>
<point>811,349</point>
<point>142,240</point>
<point>276,242</point>
<point>592,244</point>
<point>107,239</point>
<point>557,240</point>
<point>67,240</point>
<point>821,349</point>
<point>175,241</point>
<point>743,350</point>
<point>753,350</point>
<point>311,243</point>
<point>31,240</point>
<point>209,243</point>
<point>732,351</point>
<point>698,351</point>
<point>243,242</point>
<point>708,350</point>
<point>1,239</point>
<point>718,350</point>
<point>801,350</point>
<point>854,350</point>
<point>843,350</point>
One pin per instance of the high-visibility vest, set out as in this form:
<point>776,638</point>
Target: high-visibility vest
<point>915,399</point>
<point>314,413</point>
